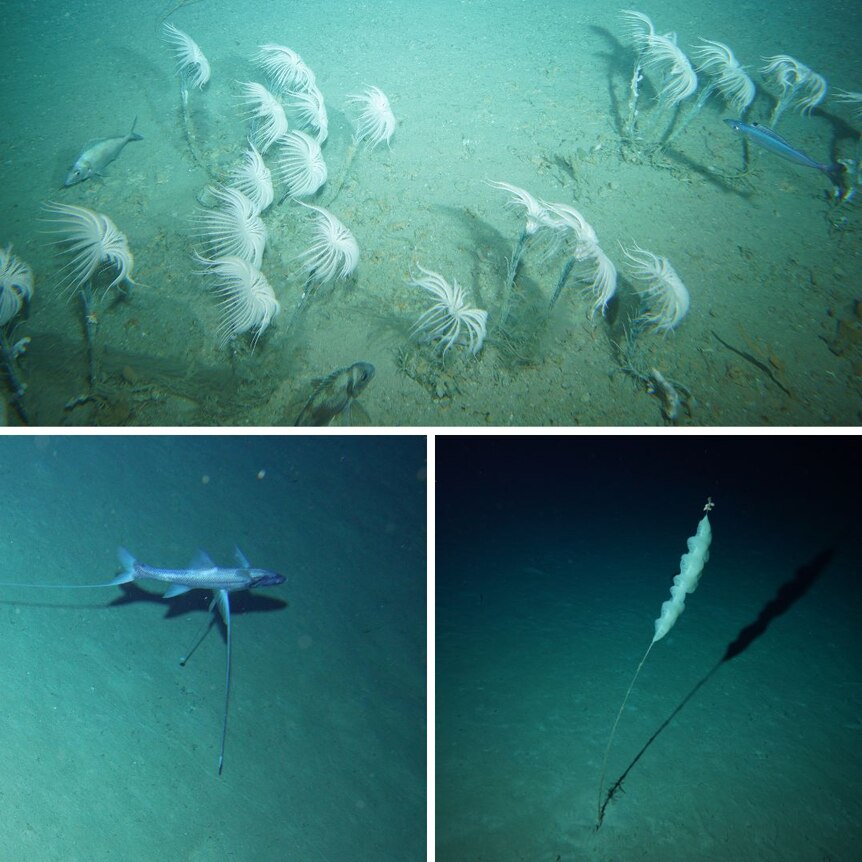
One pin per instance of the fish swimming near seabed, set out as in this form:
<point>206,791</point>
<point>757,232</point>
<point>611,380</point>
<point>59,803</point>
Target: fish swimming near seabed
<point>335,395</point>
<point>774,143</point>
<point>97,154</point>
<point>203,574</point>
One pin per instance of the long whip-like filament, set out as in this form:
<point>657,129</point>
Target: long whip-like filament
<point>600,807</point>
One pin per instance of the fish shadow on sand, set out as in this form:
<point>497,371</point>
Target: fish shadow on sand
<point>241,601</point>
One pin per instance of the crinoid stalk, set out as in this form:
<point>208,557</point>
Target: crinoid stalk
<point>332,254</point>
<point>96,249</point>
<point>537,222</point>
<point>193,70</point>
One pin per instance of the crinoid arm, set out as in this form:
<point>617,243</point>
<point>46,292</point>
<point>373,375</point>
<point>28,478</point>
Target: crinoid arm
<point>300,165</point>
<point>679,80</point>
<point>192,66</point>
<point>266,112</point>
<point>638,26</point>
<point>449,321</point>
<point>717,61</point>
<point>376,122</point>
<point>253,178</point>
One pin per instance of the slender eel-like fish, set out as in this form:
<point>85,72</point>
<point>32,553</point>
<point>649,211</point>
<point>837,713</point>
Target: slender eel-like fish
<point>203,574</point>
<point>772,141</point>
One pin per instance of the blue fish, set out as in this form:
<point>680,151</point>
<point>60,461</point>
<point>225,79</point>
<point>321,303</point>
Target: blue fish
<point>772,141</point>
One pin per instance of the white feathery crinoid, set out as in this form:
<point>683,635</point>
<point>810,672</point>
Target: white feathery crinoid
<point>665,297</point>
<point>594,268</point>
<point>300,164</point>
<point>268,120</point>
<point>679,80</point>
<point>92,240</point>
<point>565,219</point>
<point>376,122</point>
<point>253,178</point>
<point>16,284</point>
<point>535,212</point>
<point>285,68</point>
<point>852,98</point>
<point>638,25</point>
<point>232,229</point>
<point>449,320</point>
<point>561,225</point>
<point>730,77</point>
<point>800,87</point>
<point>248,303</point>
<point>600,276</point>
<point>333,252</point>
<point>310,110</point>
<point>192,67</point>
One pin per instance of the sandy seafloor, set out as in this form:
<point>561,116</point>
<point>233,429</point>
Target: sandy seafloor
<point>545,606</point>
<point>531,94</point>
<point>110,748</point>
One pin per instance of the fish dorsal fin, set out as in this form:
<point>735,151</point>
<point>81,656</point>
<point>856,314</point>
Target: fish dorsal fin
<point>175,590</point>
<point>202,561</point>
<point>240,558</point>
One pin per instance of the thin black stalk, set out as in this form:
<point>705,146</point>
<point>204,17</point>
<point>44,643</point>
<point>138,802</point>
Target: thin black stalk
<point>511,274</point>
<point>561,283</point>
<point>309,288</point>
<point>678,128</point>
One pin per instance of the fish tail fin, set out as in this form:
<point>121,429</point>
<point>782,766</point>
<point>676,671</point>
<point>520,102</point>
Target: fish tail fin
<point>133,135</point>
<point>128,562</point>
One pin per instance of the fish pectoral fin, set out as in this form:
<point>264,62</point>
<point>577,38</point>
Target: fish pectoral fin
<point>175,590</point>
<point>223,602</point>
<point>240,558</point>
